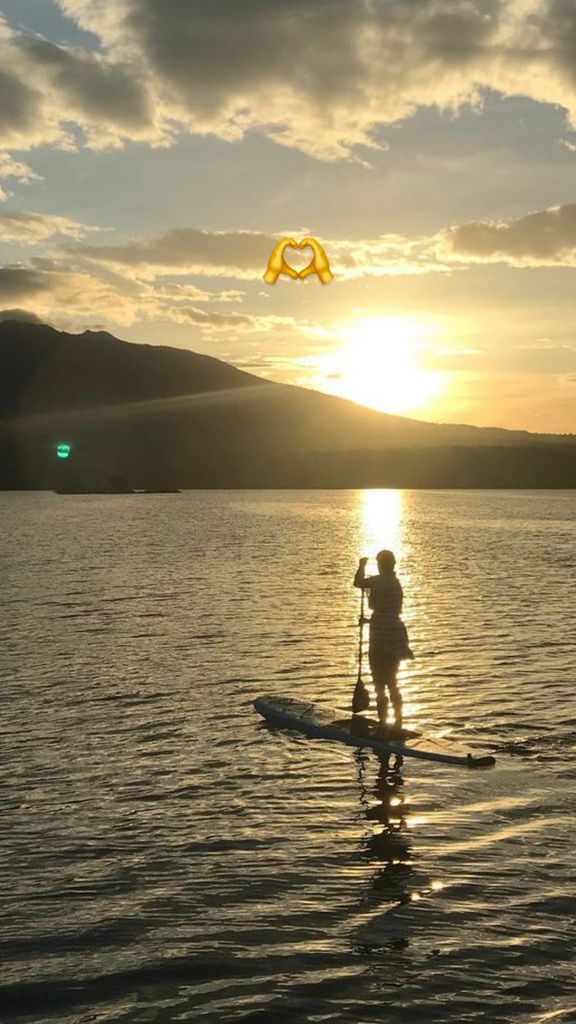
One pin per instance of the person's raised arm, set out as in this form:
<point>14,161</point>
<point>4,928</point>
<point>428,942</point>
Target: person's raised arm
<point>359,579</point>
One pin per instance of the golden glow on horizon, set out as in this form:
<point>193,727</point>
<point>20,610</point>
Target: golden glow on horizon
<point>377,364</point>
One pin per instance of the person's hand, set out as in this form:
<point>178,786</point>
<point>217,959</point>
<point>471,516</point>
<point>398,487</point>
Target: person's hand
<point>277,264</point>
<point>319,263</point>
<point>362,562</point>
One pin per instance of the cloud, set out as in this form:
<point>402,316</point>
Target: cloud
<point>11,168</point>
<point>190,314</point>
<point>242,324</point>
<point>48,288</point>
<point>190,292</point>
<point>16,170</point>
<point>20,107</point>
<point>241,254</point>
<point>108,99</point>
<point>388,255</point>
<point>21,283</point>
<point>23,316</point>
<point>29,113</point>
<point>244,255</point>
<point>315,76</point>
<point>49,292</point>
<point>46,90</point>
<point>544,238</point>
<point>319,77</point>
<point>31,228</point>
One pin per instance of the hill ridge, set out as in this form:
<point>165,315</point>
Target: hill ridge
<point>162,414</point>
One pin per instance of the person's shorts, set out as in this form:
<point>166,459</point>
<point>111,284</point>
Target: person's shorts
<point>388,639</point>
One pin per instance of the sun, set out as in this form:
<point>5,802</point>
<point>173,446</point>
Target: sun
<point>377,364</point>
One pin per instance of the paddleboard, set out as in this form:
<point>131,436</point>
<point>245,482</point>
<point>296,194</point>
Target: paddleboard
<point>320,722</point>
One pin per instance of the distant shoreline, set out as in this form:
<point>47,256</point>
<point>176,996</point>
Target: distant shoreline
<point>264,487</point>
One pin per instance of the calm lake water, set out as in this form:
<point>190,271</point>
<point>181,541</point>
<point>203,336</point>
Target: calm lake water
<point>166,857</point>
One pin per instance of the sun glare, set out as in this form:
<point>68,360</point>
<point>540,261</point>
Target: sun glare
<point>377,364</point>
<point>381,515</point>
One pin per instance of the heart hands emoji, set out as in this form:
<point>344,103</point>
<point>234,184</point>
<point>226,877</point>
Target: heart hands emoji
<point>277,263</point>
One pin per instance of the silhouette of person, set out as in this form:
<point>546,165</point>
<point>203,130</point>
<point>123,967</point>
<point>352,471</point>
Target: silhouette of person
<point>388,643</point>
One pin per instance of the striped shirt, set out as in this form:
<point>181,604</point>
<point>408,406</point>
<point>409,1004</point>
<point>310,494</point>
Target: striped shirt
<point>388,633</point>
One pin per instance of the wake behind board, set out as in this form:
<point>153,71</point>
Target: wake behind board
<point>321,722</point>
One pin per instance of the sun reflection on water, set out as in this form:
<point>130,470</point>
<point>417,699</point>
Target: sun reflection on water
<point>382,524</point>
<point>381,521</point>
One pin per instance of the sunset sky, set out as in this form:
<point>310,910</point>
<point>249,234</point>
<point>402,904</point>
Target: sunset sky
<point>152,152</point>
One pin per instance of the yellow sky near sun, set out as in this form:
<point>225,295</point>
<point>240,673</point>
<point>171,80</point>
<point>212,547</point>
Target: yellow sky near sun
<point>377,361</point>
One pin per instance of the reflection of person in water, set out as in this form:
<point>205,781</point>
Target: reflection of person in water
<point>389,844</point>
<point>388,637</point>
<point>389,811</point>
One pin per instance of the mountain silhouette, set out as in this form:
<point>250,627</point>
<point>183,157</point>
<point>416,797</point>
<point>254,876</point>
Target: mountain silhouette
<point>158,417</point>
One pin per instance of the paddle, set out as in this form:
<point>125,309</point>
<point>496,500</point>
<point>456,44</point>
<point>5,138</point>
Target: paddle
<point>361,697</point>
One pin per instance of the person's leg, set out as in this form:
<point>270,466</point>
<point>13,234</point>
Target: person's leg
<point>382,704</point>
<point>394,690</point>
<point>378,668</point>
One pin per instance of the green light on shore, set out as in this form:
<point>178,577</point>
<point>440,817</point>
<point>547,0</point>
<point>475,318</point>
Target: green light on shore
<point>63,450</point>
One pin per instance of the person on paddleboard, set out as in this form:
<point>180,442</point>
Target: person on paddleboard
<point>388,644</point>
